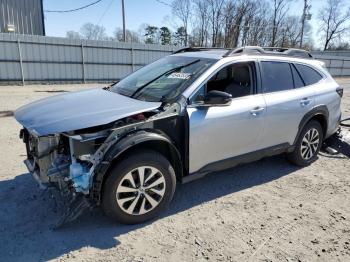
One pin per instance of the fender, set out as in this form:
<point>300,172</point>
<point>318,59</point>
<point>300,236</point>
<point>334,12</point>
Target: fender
<point>129,141</point>
<point>135,139</point>
<point>318,110</point>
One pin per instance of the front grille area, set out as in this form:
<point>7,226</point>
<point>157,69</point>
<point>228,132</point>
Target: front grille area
<point>41,152</point>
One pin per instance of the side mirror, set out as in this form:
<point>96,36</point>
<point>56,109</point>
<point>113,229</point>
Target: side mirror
<point>217,98</point>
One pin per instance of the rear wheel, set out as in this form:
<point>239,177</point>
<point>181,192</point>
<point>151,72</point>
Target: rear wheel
<point>308,144</point>
<point>139,188</point>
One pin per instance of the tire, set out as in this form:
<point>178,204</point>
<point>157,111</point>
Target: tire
<point>139,203</point>
<point>307,147</point>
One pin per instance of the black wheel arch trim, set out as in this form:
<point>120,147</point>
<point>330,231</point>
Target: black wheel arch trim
<point>318,110</point>
<point>128,142</point>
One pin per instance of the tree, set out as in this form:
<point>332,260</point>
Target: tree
<point>291,31</point>
<point>333,21</point>
<point>237,19</point>
<point>151,34</point>
<point>130,36</point>
<point>201,14</point>
<point>165,35</point>
<point>182,10</point>
<point>180,36</point>
<point>258,26</point>
<point>73,35</point>
<point>215,9</point>
<point>90,31</point>
<point>279,11</point>
<point>340,46</point>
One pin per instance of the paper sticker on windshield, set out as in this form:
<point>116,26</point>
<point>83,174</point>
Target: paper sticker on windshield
<point>180,75</point>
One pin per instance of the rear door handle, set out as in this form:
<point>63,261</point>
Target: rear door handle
<point>305,101</point>
<point>257,110</point>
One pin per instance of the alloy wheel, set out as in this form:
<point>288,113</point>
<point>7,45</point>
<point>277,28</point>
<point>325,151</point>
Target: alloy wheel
<point>141,190</point>
<point>310,143</point>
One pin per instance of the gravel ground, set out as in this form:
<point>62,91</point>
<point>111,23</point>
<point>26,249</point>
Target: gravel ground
<point>264,211</point>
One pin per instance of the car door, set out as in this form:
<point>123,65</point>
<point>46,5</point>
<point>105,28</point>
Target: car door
<point>287,102</point>
<point>222,132</point>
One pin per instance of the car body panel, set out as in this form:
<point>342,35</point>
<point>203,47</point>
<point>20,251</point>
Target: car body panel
<point>326,96</point>
<point>222,132</point>
<point>285,110</point>
<point>78,110</point>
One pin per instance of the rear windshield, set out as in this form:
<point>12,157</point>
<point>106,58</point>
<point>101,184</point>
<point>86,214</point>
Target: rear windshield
<point>164,79</point>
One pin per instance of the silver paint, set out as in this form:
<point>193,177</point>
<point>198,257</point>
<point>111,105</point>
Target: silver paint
<point>78,110</point>
<point>221,132</point>
<point>218,133</point>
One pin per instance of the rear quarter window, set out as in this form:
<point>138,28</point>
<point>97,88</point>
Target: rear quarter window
<point>298,82</point>
<point>276,76</point>
<point>309,75</point>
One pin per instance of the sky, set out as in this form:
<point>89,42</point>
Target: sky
<point>108,14</point>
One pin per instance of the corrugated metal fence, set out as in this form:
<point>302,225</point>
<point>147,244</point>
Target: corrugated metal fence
<point>25,15</point>
<point>36,59</point>
<point>337,64</point>
<point>26,59</point>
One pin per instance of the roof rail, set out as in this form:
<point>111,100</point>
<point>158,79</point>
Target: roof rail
<point>197,49</point>
<point>245,50</point>
<point>289,51</point>
<point>257,50</point>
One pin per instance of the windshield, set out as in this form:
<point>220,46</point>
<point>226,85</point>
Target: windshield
<point>164,79</point>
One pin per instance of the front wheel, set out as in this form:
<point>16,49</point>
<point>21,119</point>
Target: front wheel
<point>139,188</point>
<point>308,144</point>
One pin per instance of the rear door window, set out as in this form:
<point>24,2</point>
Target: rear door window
<point>276,76</point>
<point>309,75</point>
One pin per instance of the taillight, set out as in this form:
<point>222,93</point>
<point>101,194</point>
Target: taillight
<point>340,91</point>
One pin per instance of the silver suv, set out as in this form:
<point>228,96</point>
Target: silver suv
<point>186,115</point>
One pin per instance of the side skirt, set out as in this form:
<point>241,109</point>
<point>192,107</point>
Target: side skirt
<point>237,160</point>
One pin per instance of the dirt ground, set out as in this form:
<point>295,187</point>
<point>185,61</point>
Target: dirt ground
<point>263,211</point>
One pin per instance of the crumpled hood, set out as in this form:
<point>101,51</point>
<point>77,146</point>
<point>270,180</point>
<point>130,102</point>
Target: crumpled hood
<point>77,110</point>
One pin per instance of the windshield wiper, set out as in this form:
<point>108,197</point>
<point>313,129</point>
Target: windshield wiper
<point>108,88</point>
<point>165,73</point>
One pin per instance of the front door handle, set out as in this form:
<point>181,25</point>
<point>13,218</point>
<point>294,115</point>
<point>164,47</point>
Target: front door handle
<point>305,101</point>
<point>257,110</point>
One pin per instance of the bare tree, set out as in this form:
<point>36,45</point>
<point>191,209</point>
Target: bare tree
<point>250,11</point>
<point>259,25</point>
<point>215,8</point>
<point>201,13</point>
<point>279,12</point>
<point>93,32</point>
<point>182,10</point>
<point>290,32</point>
<point>130,36</point>
<point>231,23</point>
<point>333,21</point>
<point>73,35</point>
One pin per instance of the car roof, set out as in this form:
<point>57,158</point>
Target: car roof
<point>219,54</point>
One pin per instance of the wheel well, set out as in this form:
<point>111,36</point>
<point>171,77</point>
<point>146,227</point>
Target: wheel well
<point>323,122</point>
<point>159,146</point>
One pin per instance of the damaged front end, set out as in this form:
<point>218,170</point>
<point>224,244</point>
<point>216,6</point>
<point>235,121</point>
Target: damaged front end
<point>65,162</point>
<point>61,160</point>
<point>69,161</point>
<point>73,139</point>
